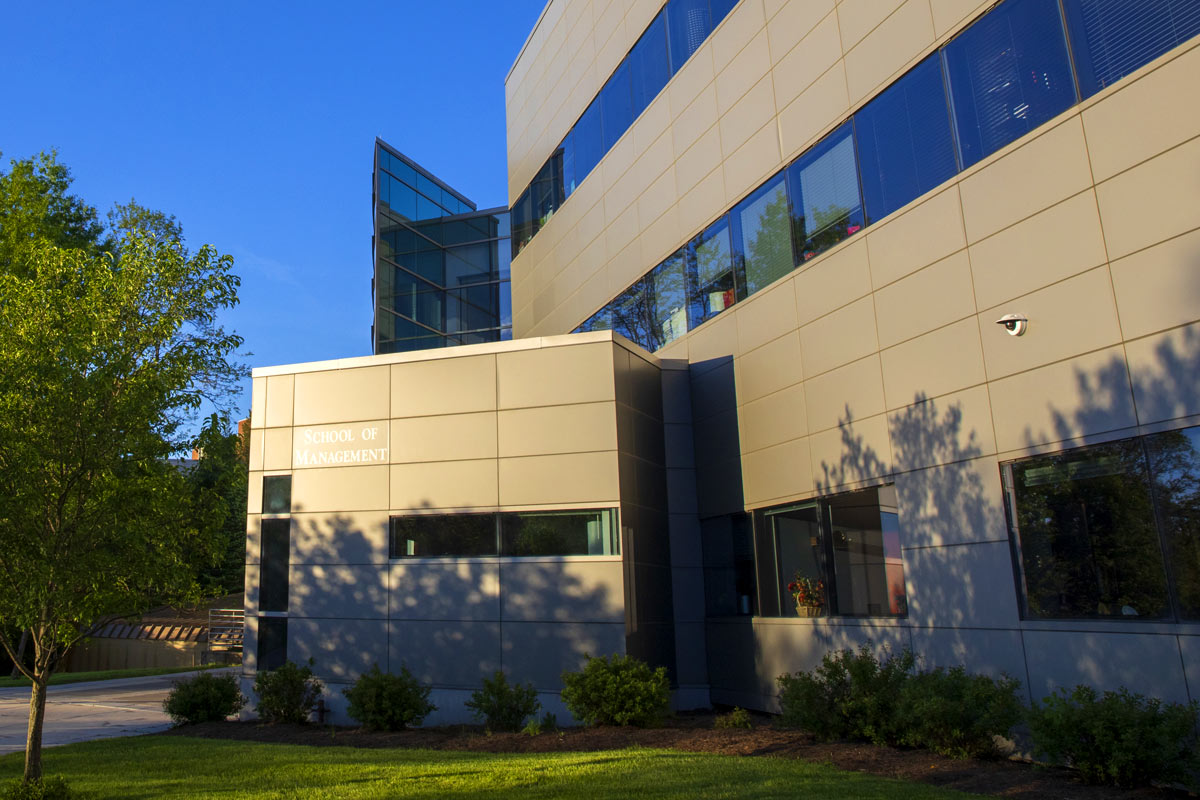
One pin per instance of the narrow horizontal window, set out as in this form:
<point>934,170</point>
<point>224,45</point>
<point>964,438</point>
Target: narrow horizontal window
<point>1112,38</point>
<point>559,533</point>
<point>534,533</point>
<point>442,535</point>
<point>1009,72</point>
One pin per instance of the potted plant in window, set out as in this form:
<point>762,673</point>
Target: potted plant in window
<point>809,594</point>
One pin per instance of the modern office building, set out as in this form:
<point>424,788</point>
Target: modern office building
<point>760,254</point>
<point>441,266</point>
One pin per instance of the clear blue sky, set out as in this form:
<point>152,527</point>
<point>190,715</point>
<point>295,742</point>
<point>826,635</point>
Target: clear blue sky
<point>254,122</point>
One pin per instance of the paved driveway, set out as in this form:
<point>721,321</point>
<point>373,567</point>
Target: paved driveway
<point>78,712</point>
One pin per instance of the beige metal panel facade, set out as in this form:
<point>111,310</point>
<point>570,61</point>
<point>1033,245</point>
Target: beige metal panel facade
<point>879,361</point>
<point>556,424</point>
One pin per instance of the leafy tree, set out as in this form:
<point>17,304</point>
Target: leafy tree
<point>35,204</point>
<point>104,359</point>
<point>218,486</point>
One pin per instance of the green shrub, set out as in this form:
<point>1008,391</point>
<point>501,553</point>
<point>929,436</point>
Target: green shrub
<point>287,694</point>
<point>956,714</point>
<point>1120,738</point>
<point>385,702</point>
<point>52,788</point>
<point>503,706</point>
<point>620,690</point>
<point>206,697</point>
<point>738,718</point>
<point>547,723</point>
<point>850,696</point>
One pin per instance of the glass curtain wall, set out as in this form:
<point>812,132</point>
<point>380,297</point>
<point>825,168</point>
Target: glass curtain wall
<point>1002,76</point>
<point>441,267</point>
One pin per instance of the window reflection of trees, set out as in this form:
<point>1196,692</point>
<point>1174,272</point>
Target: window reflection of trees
<point>1088,526</point>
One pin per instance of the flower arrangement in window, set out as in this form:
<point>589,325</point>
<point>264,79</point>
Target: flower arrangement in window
<point>809,594</point>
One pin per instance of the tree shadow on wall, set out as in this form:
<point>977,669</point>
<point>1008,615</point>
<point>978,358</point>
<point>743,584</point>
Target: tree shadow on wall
<point>948,525</point>
<point>1143,384</point>
<point>450,621</point>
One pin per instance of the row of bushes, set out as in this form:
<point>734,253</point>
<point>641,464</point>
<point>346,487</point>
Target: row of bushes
<point>608,691</point>
<point>1117,738</point>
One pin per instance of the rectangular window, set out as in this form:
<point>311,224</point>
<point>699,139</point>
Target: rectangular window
<point>589,141</point>
<point>522,222</point>
<point>763,236</point>
<point>568,164</point>
<point>1083,524</point>
<point>600,321</point>
<point>650,66</point>
<point>1175,465</point>
<point>418,300</point>
<point>710,270</point>
<point>825,201</point>
<point>727,546</point>
<point>631,315</point>
<point>272,643</point>
<point>666,288</point>
<point>274,549</point>
<point>867,567</point>
<point>277,494</point>
<point>1008,72</point>
<point>905,147</point>
<point>689,22</point>
<point>443,535</point>
<point>1112,38</point>
<point>616,102</point>
<point>559,533</point>
<point>838,555</point>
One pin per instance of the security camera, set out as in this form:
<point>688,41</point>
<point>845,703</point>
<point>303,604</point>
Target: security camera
<point>1015,324</point>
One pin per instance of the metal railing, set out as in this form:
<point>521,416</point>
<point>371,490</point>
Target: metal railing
<point>225,627</point>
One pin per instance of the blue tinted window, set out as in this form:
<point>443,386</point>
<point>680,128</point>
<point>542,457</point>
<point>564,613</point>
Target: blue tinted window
<point>1008,73</point>
<point>720,10</point>
<point>1112,38</point>
<point>688,24</point>
<point>427,209</point>
<point>402,199</point>
<point>710,270</point>
<point>568,163</point>
<point>825,202</point>
<point>542,193</point>
<point>616,101</point>
<point>905,147</point>
<point>417,300</point>
<point>600,321</point>
<point>589,141</point>
<point>631,315</point>
<point>649,64</point>
<point>402,171</point>
<point>522,223</point>
<point>763,236</point>
<point>666,289</point>
<point>385,194</point>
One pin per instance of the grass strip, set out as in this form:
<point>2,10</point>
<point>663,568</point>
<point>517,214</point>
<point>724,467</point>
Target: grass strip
<point>181,767</point>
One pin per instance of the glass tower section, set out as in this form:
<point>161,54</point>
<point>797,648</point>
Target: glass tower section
<point>441,265</point>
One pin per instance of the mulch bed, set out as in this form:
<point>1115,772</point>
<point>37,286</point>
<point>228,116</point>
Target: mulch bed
<point>693,732</point>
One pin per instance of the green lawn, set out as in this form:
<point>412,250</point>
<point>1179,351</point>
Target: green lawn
<point>103,675</point>
<point>177,767</point>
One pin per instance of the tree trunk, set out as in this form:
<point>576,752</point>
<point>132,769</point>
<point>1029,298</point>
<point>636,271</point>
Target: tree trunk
<point>16,670</point>
<point>33,741</point>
